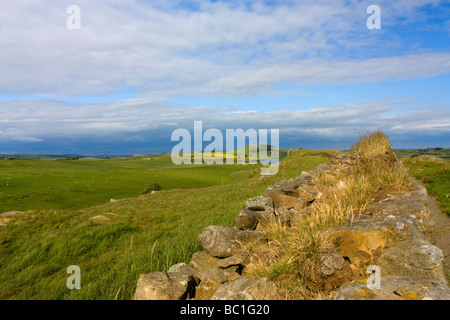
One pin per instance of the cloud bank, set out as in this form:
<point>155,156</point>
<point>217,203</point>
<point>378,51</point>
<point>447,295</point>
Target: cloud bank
<point>145,54</point>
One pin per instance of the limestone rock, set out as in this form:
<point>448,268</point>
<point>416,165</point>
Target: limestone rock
<point>165,286</point>
<point>281,211</point>
<point>305,179</point>
<point>413,258</point>
<point>187,270</point>
<point>331,271</point>
<point>400,204</point>
<point>395,288</point>
<point>202,261</point>
<point>284,220</point>
<point>419,192</point>
<point>261,207</point>
<point>220,275</point>
<point>259,203</point>
<point>223,242</point>
<point>287,187</point>
<point>308,194</point>
<point>239,260</point>
<point>289,190</point>
<point>249,220</point>
<point>206,289</point>
<point>361,241</point>
<point>10,213</point>
<point>323,168</point>
<point>253,288</point>
<point>285,201</point>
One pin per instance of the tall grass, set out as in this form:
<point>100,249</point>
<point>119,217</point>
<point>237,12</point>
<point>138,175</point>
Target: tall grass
<point>372,144</point>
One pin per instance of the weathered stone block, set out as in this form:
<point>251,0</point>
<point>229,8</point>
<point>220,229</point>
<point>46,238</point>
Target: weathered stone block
<point>254,288</point>
<point>395,288</point>
<point>165,286</point>
<point>224,242</point>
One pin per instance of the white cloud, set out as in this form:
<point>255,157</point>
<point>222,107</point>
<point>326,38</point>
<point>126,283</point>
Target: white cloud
<point>222,49</point>
<point>16,134</point>
<point>232,49</point>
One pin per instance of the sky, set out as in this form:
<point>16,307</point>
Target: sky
<point>136,70</point>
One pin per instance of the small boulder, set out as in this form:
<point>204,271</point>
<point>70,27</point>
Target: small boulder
<point>239,260</point>
<point>165,286</point>
<point>11,213</point>
<point>363,240</point>
<point>220,275</point>
<point>288,187</point>
<point>399,204</point>
<point>284,220</point>
<point>305,179</point>
<point>413,258</point>
<point>202,261</point>
<point>247,220</point>
<point>223,242</point>
<point>186,269</point>
<point>285,201</point>
<point>331,271</point>
<point>206,289</point>
<point>308,194</point>
<point>253,288</point>
<point>395,288</point>
<point>259,203</point>
<point>281,211</point>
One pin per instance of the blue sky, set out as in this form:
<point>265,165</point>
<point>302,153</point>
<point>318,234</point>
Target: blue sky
<point>137,70</point>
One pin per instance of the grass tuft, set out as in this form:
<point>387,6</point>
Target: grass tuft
<point>372,144</point>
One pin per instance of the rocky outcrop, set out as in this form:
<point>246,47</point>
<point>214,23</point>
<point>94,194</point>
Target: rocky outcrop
<point>391,234</point>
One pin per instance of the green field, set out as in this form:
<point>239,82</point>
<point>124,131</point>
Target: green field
<point>69,223</point>
<point>69,219</point>
<point>50,184</point>
<point>443,153</point>
<point>434,172</point>
<point>432,167</point>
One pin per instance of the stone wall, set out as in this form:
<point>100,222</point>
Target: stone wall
<point>393,235</point>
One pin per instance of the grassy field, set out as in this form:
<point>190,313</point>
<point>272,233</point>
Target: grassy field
<point>50,184</point>
<point>114,242</point>
<point>443,153</point>
<point>434,172</point>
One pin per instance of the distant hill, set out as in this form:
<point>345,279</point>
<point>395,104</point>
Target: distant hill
<point>443,153</point>
<point>25,156</point>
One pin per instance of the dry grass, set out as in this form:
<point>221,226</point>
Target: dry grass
<point>291,258</point>
<point>372,144</point>
<point>292,253</point>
